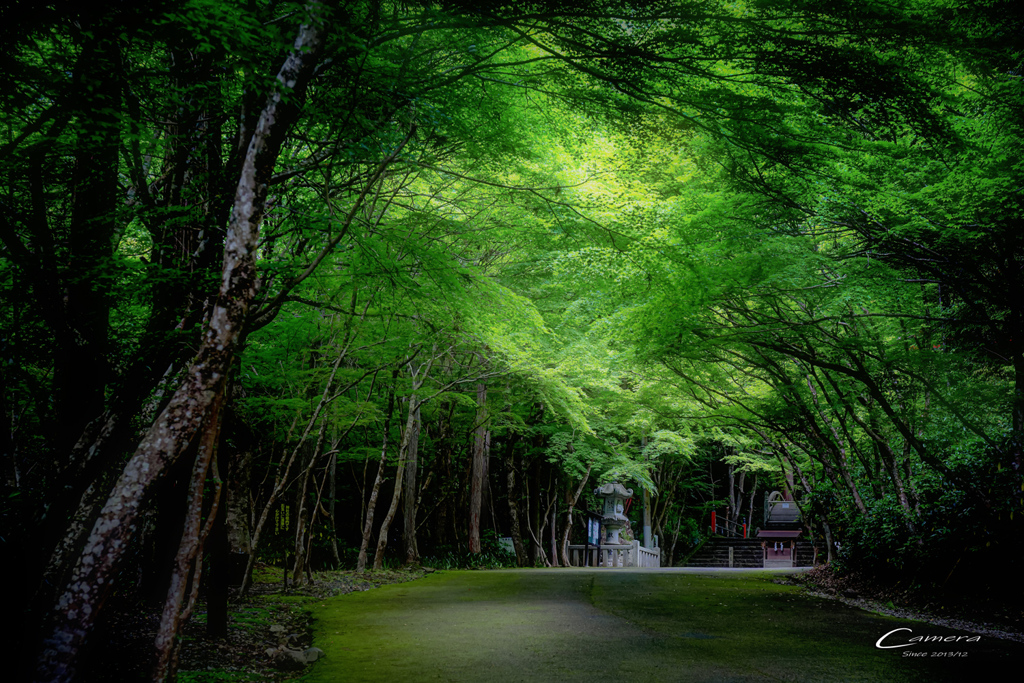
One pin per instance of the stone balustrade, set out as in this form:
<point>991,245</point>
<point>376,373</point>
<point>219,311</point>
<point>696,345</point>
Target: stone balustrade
<point>615,555</point>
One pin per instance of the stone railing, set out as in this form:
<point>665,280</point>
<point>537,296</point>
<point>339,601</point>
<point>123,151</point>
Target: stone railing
<point>626,555</point>
<point>646,557</point>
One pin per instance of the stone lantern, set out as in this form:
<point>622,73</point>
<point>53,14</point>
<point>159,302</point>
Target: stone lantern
<point>613,517</point>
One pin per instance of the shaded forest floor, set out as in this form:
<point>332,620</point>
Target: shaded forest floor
<point>271,617</point>
<point>998,614</point>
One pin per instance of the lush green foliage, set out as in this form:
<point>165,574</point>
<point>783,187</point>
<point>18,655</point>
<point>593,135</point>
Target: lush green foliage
<point>708,249</point>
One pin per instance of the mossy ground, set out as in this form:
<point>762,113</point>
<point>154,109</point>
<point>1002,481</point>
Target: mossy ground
<point>583,625</point>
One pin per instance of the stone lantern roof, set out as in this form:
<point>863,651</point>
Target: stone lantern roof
<point>613,489</point>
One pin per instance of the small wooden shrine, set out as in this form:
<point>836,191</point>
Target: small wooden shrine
<point>782,527</point>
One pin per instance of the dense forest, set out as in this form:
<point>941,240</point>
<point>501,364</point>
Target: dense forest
<point>366,283</point>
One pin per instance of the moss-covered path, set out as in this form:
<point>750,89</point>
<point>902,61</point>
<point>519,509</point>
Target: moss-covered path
<point>618,625</point>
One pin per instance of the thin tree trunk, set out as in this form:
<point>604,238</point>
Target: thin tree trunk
<point>410,437</point>
<point>739,497</point>
<point>332,497</point>
<point>385,526</point>
<point>732,497</point>
<point>522,558</point>
<point>675,540</point>
<point>890,464</point>
<point>392,509</point>
<point>238,512</point>
<point>648,532</point>
<point>534,517</point>
<point>302,514</point>
<point>304,523</point>
<point>59,565</point>
<point>538,536</point>
<point>410,491</point>
<point>79,364</point>
<point>541,555</point>
<point>188,564</point>
<point>554,535</point>
<point>281,481</point>
<point>750,506</point>
<point>476,486</point>
<point>1017,417</point>
<point>371,506</point>
<point>836,445</point>
<point>317,508</point>
<point>568,516</point>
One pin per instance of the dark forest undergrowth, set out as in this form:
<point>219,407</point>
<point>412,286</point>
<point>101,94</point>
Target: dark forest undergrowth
<point>270,619</point>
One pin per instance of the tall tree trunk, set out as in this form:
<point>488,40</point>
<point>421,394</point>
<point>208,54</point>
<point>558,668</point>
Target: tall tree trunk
<point>1017,417</point>
<point>522,558</point>
<point>302,512</point>
<point>304,517</point>
<point>573,499</point>
<point>534,516</point>
<point>371,506</point>
<point>750,505</point>
<point>538,536</point>
<point>671,556</point>
<point>385,526</point>
<point>731,476</point>
<point>410,491</point>
<point>332,499</point>
<point>188,565</point>
<point>392,509</point>
<point>237,513</point>
<point>282,480</point>
<point>410,438</point>
<point>736,481</point>
<point>224,566</point>
<point>99,563</point>
<point>80,365</point>
<point>554,535</point>
<point>836,445</point>
<point>476,486</point>
<point>647,531</point>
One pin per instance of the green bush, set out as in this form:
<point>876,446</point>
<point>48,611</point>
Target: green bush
<point>964,542</point>
<point>492,555</point>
